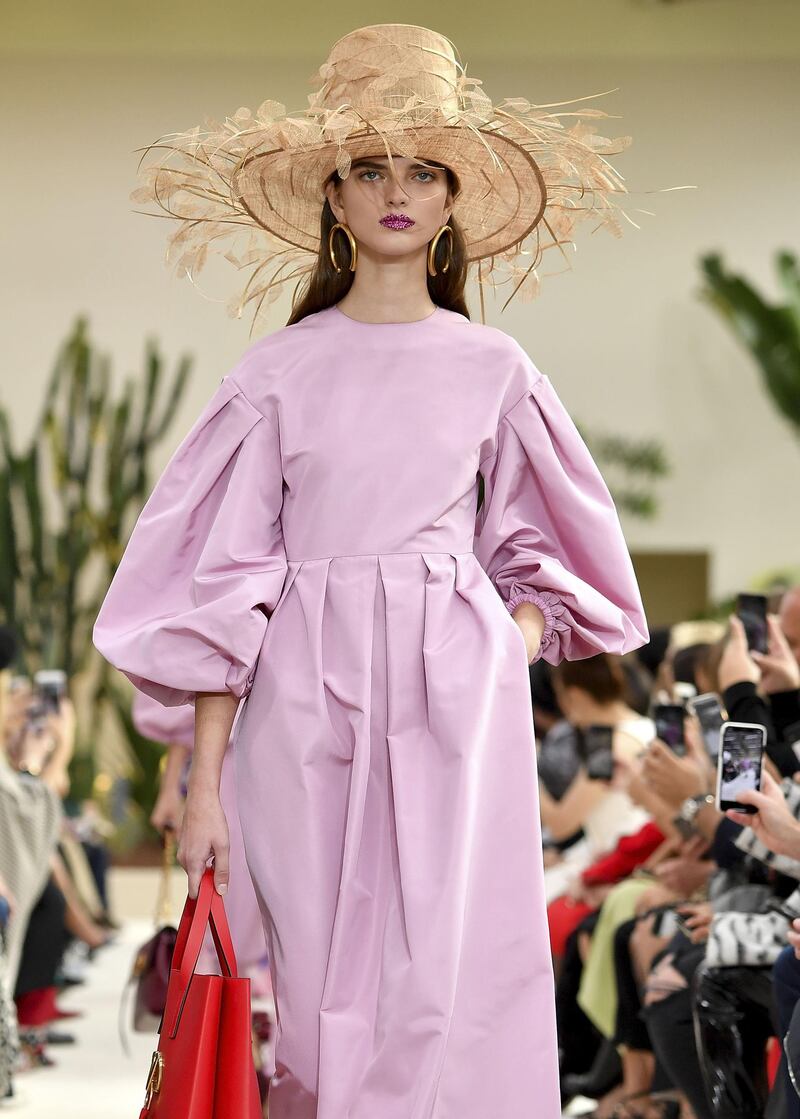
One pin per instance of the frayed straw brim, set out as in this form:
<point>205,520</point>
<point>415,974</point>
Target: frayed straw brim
<point>499,204</point>
<point>251,187</point>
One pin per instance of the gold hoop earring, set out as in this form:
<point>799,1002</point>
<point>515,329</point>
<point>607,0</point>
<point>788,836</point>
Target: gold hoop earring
<point>353,246</point>
<point>432,250</point>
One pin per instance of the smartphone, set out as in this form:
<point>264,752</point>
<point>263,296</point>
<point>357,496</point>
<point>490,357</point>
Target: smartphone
<point>668,718</point>
<point>752,609</point>
<point>682,691</point>
<point>50,685</point>
<point>791,736</point>
<point>710,715</point>
<point>741,752</point>
<point>779,905</point>
<point>682,927</point>
<point>596,751</point>
<point>666,923</point>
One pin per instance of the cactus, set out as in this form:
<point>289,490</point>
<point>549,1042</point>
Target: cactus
<point>67,504</point>
<point>771,332</point>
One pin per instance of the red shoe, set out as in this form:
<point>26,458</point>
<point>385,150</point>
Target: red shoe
<point>38,1008</point>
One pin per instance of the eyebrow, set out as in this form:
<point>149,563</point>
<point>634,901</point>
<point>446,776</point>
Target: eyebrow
<point>382,166</point>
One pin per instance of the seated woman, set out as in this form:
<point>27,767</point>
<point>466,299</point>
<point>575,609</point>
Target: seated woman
<point>593,692</point>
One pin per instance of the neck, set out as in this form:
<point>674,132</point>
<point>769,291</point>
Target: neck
<point>389,289</point>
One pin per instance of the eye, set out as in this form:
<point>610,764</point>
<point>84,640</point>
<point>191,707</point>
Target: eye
<point>370,171</point>
<point>431,173</point>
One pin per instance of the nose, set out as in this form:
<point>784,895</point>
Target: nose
<point>395,195</point>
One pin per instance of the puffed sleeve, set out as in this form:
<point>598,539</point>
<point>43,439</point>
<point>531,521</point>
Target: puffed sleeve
<point>189,604</point>
<point>548,532</point>
<point>163,724</point>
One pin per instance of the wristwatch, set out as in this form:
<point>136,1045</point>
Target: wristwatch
<point>684,821</point>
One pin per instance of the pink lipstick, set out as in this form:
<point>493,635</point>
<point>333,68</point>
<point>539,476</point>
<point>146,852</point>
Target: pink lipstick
<point>396,221</point>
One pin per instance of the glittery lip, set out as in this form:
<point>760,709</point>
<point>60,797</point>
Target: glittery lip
<point>397,221</point>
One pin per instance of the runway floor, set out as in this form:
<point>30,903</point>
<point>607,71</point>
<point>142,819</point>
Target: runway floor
<point>94,1079</point>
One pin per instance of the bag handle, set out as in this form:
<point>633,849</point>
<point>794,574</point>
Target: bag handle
<point>207,908</point>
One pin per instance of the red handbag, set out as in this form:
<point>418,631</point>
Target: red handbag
<point>204,1067</point>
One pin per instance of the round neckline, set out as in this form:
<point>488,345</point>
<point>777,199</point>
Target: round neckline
<point>408,322</point>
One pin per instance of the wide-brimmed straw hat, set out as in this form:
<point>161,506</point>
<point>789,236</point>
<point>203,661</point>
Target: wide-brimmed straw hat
<point>389,89</point>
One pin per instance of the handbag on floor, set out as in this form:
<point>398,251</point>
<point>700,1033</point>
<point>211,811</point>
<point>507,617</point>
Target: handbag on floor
<point>150,971</point>
<point>203,1067</point>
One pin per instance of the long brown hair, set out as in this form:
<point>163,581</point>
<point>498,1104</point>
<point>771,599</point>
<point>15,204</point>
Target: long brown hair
<point>325,286</point>
<point>601,676</point>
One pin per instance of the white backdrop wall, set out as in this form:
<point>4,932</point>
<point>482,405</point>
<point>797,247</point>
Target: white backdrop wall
<point>623,336</point>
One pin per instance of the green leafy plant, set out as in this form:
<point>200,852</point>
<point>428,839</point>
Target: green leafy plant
<point>770,331</point>
<point>67,504</point>
<point>631,468</point>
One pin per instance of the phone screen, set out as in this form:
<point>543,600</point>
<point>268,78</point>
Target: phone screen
<point>752,609</point>
<point>50,687</point>
<point>708,710</point>
<point>668,718</point>
<point>597,751</point>
<point>739,765</point>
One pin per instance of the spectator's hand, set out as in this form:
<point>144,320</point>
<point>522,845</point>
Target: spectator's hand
<point>167,810</point>
<point>16,715</point>
<point>736,664</point>
<point>597,894</point>
<point>793,936</point>
<point>62,722</point>
<point>651,897</point>
<point>628,779</point>
<point>5,892</point>
<point>683,876</point>
<point>697,917</point>
<point>35,747</point>
<point>576,891</point>
<point>673,778</point>
<point>780,672</point>
<point>773,823</point>
<point>697,751</point>
<point>695,847</point>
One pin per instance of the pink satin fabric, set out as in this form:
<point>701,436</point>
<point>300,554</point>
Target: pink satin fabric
<point>313,547</point>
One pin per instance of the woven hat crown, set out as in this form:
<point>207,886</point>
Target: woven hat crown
<point>389,65</point>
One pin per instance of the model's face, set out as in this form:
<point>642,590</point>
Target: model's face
<point>371,192</point>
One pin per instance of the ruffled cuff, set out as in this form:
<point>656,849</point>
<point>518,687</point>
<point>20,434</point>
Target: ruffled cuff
<point>553,609</point>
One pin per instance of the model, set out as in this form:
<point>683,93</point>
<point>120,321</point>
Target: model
<point>315,548</point>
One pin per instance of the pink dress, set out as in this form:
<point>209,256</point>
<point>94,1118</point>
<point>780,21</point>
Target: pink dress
<point>314,546</point>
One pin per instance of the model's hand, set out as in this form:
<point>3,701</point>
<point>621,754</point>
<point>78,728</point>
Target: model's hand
<point>531,621</point>
<point>204,832</point>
